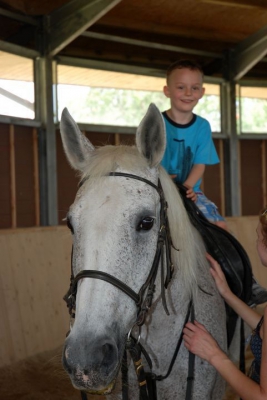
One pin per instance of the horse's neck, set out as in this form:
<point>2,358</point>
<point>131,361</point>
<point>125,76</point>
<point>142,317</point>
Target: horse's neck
<point>161,331</point>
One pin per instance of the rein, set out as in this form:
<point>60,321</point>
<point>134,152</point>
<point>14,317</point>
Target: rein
<point>143,300</point>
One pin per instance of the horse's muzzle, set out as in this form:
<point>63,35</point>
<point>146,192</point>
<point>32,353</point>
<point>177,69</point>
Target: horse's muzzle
<point>92,365</point>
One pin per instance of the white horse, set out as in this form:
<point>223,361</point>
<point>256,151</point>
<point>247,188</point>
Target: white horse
<point>116,225</point>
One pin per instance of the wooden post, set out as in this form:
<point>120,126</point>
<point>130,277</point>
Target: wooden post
<point>264,174</point>
<point>222,188</point>
<point>238,150</point>
<point>12,176</point>
<point>36,176</point>
<point>117,139</point>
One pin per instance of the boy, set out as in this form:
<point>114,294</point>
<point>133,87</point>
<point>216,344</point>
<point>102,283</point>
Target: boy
<point>189,141</point>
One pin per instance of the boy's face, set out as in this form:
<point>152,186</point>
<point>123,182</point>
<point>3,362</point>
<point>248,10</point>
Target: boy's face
<point>184,88</point>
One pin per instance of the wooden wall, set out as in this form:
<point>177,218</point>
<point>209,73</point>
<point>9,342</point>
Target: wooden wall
<point>19,180</point>
<point>19,175</point>
<point>34,276</point>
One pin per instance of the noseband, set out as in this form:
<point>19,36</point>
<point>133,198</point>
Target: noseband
<point>143,300</point>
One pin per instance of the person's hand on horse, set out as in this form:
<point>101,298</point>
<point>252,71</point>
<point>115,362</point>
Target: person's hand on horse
<point>200,342</point>
<point>190,194</point>
<point>218,277</point>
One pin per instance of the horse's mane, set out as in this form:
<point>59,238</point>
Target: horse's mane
<point>191,254</point>
<point>127,158</point>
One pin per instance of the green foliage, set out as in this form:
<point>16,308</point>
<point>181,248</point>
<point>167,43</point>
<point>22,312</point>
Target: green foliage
<point>253,115</point>
<point>125,107</point>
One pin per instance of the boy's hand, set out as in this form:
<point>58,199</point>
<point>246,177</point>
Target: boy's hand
<point>190,194</point>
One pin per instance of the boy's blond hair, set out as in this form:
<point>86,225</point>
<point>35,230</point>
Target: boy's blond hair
<point>180,64</point>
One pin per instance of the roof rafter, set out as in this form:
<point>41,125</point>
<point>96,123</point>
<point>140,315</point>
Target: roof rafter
<point>69,21</point>
<point>152,45</point>
<point>248,53</point>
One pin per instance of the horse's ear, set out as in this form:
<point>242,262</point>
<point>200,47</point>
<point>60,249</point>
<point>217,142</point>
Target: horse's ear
<point>151,136</point>
<point>76,146</point>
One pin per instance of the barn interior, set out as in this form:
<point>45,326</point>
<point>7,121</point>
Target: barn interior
<point>124,44</point>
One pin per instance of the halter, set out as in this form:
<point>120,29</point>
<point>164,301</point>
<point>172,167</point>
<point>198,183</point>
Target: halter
<point>143,300</point>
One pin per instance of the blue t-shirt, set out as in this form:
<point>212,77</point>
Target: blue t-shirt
<point>187,145</point>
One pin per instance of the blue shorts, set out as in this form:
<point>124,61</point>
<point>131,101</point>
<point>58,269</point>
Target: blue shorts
<point>208,208</point>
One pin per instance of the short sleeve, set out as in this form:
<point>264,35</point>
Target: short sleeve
<point>206,152</point>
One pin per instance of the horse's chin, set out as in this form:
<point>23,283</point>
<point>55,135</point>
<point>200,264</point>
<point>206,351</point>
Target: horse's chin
<point>93,383</point>
<point>107,390</point>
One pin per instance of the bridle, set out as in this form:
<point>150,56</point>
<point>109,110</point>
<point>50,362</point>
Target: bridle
<point>143,299</point>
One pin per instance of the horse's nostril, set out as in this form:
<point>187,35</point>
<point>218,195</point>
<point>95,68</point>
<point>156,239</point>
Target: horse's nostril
<point>109,352</point>
<point>107,348</point>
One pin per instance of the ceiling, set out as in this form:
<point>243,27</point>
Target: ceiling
<point>227,37</point>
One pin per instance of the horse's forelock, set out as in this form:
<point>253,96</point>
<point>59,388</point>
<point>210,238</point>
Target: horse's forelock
<point>107,159</point>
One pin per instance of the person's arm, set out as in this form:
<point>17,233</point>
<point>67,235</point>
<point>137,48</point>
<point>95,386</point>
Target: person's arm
<point>250,316</point>
<point>263,373</point>
<point>195,174</point>
<point>199,341</point>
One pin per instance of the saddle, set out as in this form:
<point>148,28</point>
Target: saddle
<point>228,252</point>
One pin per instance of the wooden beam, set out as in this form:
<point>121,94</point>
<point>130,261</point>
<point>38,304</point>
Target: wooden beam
<point>238,3</point>
<point>12,176</point>
<point>248,53</point>
<point>149,44</point>
<point>69,21</point>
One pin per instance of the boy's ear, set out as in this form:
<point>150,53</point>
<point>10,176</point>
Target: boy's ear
<point>166,91</point>
<point>203,92</point>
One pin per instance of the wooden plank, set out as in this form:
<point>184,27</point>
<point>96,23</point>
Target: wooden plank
<point>36,177</point>
<point>12,176</point>
<point>250,161</point>
<point>264,172</point>
<point>25,200</point>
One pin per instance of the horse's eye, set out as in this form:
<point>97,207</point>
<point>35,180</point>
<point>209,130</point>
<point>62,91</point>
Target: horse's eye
<point>145,224</point>
<point>70,226</point>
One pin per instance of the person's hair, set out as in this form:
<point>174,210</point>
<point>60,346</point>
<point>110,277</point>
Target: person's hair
<point>263,221</point>
<point>181,64</point>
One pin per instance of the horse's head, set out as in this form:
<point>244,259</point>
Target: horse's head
<point>114,222</point>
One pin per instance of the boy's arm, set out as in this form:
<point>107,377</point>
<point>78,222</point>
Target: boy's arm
<point>195,174</point>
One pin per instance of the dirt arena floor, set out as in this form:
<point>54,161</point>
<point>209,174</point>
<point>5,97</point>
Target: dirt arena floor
<point>43,378</point>
<point>37,378</point>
